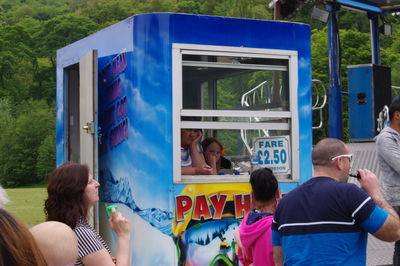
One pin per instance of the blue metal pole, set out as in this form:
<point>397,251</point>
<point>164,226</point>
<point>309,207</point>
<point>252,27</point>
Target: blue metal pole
<point>335,100</point>
<point>374,27</point>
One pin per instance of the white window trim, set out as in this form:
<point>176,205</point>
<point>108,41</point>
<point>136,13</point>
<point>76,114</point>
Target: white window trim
<point>234,125</point>
<point>235,113</point>
<point>178,50</point>
<point>229,65</point>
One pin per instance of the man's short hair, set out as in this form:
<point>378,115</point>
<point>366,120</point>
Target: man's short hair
<point>394,106</point>
<point>325,150</point>
<point>57,241</point>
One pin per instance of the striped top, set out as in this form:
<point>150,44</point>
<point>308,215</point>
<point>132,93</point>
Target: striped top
<point>89,240</point>
<point>325,222</point>
<point>186,159</point>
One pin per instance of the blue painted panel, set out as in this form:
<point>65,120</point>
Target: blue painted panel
<point>161,30</point>
<point>111,40</point>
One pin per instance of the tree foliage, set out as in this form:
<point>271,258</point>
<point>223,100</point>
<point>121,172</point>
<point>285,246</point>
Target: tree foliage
<point>17,62</point>
<point>29,125</point>
<point>71,27</point>
<point>46,157</point>
<point>31,31</point>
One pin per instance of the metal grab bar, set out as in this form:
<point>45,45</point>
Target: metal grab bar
<point>317,106</point>
<point>250,97</point>
<point>253,97</point>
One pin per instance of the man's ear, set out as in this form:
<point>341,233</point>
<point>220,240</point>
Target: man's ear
<point>397,115</point>
<point>278,195</point>
<point>338,163</point>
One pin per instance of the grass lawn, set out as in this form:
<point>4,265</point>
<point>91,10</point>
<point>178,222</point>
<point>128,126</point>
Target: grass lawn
<point>27,204</point>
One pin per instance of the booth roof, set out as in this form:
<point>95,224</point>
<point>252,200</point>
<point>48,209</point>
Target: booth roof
<point>386,5</point>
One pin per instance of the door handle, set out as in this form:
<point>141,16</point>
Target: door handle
<point>89,127</point>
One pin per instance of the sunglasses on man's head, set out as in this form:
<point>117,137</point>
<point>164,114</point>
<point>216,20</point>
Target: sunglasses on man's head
<point>350,156</point>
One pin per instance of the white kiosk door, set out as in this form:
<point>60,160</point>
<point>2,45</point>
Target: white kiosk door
<point>87,115</point>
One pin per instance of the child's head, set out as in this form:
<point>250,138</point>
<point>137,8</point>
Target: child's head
<point>212,147</point>
<point>263,184</point>
<point>57,241</point>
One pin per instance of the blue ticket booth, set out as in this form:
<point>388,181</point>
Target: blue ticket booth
<point>125,93</point>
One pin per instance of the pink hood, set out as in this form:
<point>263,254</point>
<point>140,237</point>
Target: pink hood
<point>256,240</point>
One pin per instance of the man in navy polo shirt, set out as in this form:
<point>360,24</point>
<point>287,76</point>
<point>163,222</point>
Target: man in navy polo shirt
<point>326,220</point>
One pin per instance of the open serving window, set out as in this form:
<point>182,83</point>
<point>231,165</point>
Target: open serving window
<point>244,97</point>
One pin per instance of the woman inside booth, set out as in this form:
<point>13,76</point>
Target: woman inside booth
<point>192,159</point>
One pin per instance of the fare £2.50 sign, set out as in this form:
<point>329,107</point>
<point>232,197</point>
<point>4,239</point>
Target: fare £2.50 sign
<point>274,153</point>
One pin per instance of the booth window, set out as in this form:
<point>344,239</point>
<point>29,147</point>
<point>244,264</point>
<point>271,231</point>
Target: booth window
<point>238,96</point>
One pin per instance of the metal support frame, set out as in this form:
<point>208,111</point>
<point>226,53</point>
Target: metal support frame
<point>335,101</point>
<point>374,28</point>
<point>335,128</point>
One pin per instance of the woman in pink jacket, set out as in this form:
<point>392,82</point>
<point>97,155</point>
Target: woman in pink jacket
<point>254,235</point>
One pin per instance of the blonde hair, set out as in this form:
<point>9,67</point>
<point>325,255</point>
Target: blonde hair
<point>57,241</point>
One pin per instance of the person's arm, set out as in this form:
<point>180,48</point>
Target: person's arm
<point>389,150</point>
<point>98,258</point>
<point>242,255</point>
<point>121,227</point>
<point>390,230</point>
<point>212,161</point>
<point>195,154</point>
<point>102,257</point>
<point>241,251</point>
<point>278,255</point>
<point>200,170</point>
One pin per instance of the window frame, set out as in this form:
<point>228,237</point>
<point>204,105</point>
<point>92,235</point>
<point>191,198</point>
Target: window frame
<point>179,49</point>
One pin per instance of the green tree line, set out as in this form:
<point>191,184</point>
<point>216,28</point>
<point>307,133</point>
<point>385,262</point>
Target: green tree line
<point>31,31</point>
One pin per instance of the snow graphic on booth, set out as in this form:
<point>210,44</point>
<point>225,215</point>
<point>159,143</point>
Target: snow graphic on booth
<point>119,191</point>
<point>205,243</point>
<point>201,244</point>
<point>148,245</point>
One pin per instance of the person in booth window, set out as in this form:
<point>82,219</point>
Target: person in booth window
<point>213,153</point>
<point>192,159</point>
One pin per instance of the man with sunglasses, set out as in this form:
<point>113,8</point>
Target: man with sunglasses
<point>326,220</point>
<point>388,151</point>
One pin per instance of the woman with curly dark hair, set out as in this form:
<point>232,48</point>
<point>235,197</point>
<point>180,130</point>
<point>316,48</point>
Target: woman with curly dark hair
<point>72,191</point>
<point>17,246</point>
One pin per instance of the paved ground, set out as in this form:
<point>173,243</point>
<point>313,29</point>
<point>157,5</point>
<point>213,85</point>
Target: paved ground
<point>379,252</point>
